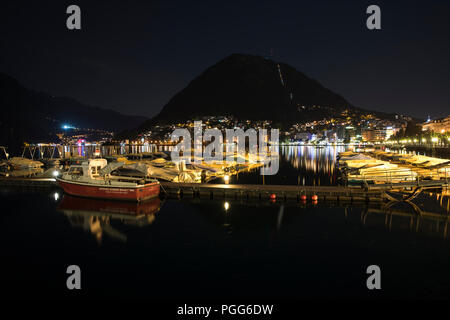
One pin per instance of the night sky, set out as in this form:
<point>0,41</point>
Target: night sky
<point>134,56</point>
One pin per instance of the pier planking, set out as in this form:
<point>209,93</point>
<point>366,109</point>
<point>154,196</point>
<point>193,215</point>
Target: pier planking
<point>373,193</point>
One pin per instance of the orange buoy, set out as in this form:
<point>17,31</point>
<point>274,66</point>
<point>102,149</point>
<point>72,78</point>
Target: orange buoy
<point>303,197</point>
<point>273,196</point>
<point>314,197</point>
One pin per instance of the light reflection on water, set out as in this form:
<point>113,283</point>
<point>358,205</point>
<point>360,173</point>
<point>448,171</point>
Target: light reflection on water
<point>95,217</point>
<point>262,248</point>
<point>299,165</point>
<point>315,161</point>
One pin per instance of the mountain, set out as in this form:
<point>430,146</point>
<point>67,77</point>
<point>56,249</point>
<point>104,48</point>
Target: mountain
<point>254,88</point>
<point>30,116</point>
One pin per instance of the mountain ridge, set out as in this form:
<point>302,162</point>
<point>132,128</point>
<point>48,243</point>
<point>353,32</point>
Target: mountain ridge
<point>35,116</point>
<point>254,88</point>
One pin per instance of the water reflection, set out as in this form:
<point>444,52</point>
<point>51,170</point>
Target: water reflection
<point>242,218</point>
<point>298,165</point>
<point>95,216</point>
<point>313,160</point>
<point>416,221</point>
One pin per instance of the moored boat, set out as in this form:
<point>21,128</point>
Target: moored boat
<point>89,180</point>
<point>20,163</point>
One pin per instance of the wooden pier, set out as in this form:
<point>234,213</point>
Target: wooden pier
<point>373,193</point>
<point>424,184</point>
<point>270,192</point>
<point>28,182</point>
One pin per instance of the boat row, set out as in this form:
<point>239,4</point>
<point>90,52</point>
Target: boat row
<point>136,177</point>
<point>155,164</point>
<point>359,168</point>
<point>388,167</point>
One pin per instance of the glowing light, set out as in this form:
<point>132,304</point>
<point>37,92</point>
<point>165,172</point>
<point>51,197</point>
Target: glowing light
<point>226,178</point>
<point>434,139</point>
<point>56,196</point>
<point>226,205</point>
<point>55,173</point>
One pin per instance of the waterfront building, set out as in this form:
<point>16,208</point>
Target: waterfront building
<point>441,125</point>
<point>303,136</point>
<point>374,135</point>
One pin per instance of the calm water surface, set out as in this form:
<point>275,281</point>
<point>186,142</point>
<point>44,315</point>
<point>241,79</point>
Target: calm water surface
<point>298,165</point>
<point>217,249</point>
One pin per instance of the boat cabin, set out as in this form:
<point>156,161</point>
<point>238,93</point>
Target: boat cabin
<point>87,170</point>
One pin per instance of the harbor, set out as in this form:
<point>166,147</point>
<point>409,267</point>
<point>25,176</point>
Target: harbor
<point>222,239</point>
<point>237,217</point>
<point>362,176</point>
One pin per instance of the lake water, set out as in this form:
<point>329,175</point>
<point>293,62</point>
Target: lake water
<point>216,249</point>
<point>299,165</point>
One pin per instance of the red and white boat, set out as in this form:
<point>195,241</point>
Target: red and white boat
<point>89,180</point>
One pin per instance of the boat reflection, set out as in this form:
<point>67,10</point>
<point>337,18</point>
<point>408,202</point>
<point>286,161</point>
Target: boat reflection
<point>95,215</point>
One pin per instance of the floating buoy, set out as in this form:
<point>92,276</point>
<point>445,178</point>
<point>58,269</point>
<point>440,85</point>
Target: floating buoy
<point>314,197</point>
<point>303,197</point>
<point>273,196</point>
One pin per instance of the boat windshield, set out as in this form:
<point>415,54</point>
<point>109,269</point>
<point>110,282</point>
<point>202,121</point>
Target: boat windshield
<point>95,171</point>
<point>76,171</point>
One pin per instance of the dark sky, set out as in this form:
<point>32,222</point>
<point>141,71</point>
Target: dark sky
<point>134,56</point>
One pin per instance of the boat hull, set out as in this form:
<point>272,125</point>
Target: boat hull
<point>138,193</point>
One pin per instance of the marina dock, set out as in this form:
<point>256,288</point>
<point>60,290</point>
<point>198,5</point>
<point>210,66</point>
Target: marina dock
<point>270,192</point>
<point>375,193</point>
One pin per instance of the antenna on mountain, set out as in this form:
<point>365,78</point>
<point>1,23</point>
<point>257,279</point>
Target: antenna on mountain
<point>270,56</point>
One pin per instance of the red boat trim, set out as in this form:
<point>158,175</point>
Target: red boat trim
<point>90,190</point>
<point>106,185</point>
